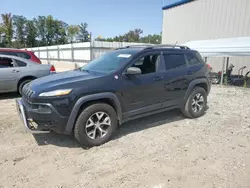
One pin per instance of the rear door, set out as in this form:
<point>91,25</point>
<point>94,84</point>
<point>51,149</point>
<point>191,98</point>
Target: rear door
<point>175,80</point>
<point>9,75</point>
<point>195,63</point>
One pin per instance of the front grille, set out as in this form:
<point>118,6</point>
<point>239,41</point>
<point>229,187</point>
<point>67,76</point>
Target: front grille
<point>27,93</point>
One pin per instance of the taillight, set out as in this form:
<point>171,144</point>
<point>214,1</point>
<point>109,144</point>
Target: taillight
<point>52,69</point>
<point>39,61</point>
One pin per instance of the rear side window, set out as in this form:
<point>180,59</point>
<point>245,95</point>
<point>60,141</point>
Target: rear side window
<point>23,55</point>
<point>192,60</point>
<point>19,54</point>
<point>8,53</point>
<point>173,61</point>
<point>20,63</point>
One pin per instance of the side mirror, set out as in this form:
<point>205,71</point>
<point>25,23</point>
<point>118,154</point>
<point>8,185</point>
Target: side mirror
<point>133,71</point>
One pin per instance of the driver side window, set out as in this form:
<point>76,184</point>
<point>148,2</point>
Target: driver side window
<point>6,62</point>
<point>148,64</point>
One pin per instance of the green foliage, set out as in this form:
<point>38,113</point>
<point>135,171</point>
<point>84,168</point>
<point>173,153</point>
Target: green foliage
<point>83,35</point>
<point>72,32</point>
<point>134,36</point>
<point>40,24</point>
<point>60,32</point>
<point>31,33</point>
<point>19,32</point>
<point>40,31</point>
<point>7,27</point>
<point>153,39</point>
<point>19,23</point>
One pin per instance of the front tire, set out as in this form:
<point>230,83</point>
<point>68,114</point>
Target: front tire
<point>21,85</point>
<point>196,103</point>
<point>95,125</point>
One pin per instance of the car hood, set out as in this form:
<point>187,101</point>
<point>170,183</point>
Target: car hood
<point>54,81</point>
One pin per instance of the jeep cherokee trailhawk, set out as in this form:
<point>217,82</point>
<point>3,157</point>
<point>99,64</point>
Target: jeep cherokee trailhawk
<point>125,84</point>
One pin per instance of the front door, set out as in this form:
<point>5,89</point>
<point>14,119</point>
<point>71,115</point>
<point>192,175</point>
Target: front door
<point>9,75</point>
<point>143,93</point>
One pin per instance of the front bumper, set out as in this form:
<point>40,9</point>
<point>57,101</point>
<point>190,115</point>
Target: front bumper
<point>27,122</point>
<point>36,121</point>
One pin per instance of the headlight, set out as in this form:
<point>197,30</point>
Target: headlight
<point>59,92</point>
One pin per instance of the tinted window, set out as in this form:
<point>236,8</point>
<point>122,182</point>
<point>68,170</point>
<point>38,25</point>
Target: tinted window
<point>20,63</point>
<point>148,64</point>
<point>192,60</point>
<point>173,61</point>
<point>8,53</point>
<point>23,55</point>
<point>6,62</point>
<point>109,62</point>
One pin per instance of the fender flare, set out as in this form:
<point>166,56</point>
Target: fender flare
<point>87,98</point>
<point>194,83</point>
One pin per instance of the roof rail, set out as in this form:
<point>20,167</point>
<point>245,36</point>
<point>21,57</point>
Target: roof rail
<point>137,45</point>
<point>169,46</point>
<point>151,46</point>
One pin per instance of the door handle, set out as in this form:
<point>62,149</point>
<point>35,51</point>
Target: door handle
<point>190,72</point>
<point>158,78</point>
<point>15,71</point>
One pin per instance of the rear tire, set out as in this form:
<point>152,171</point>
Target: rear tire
<point>196,103</point>
<point>20,87</point>
<point>95,125</point>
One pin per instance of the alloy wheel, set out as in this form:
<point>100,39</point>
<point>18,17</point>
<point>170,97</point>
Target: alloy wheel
<point>198,103</point>
<point>97,125</point>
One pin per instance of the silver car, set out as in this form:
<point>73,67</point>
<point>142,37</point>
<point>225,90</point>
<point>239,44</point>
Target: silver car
<point>15,72</point>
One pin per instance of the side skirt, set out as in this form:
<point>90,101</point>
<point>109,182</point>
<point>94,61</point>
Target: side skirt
<point>149,113</point>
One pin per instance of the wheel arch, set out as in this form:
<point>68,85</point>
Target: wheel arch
<point>83,102</point>
<point>25,78</point>
<point>202,82</point>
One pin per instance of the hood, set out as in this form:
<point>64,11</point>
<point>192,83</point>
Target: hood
<point>54,81</point>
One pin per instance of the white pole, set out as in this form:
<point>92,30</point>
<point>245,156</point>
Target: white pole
<point>222,71</point>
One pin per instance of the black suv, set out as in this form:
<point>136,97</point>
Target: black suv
<point>125,84</point>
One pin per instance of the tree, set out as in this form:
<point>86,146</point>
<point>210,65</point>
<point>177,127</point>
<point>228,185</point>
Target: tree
<point>50,30</point>
<point>84,35</point>
<point>153,39</point>
<point>72,32</point>
<point>133,35</point>
<point>7,28</point>
<point>60,32</point>
<point>1,36</point>
<point>19,25</point>
<point>40,24</point>
<point>31,31</point>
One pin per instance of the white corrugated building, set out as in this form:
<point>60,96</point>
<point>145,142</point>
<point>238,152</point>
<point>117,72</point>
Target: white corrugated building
<point>191,20</point>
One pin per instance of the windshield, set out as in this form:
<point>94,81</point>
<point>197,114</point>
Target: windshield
<point>109,62</point>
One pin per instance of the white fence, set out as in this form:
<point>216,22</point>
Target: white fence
<point>77,52</point>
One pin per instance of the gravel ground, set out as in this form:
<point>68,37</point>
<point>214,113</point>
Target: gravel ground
<point>159,151</point>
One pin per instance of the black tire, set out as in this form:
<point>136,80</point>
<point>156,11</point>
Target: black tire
<point>188,111</point>
<point>80,132</point>
<point>20,87</point>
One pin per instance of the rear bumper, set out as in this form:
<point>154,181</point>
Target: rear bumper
<point>37,120</point>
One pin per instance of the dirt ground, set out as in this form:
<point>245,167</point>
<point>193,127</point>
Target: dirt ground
<point>159,151</point>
